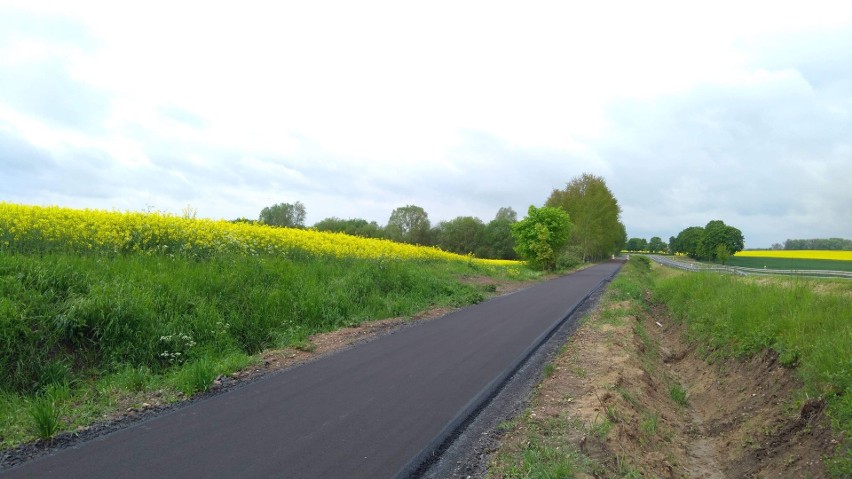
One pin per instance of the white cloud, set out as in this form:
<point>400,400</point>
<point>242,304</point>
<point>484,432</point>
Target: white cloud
<point>727,110</point>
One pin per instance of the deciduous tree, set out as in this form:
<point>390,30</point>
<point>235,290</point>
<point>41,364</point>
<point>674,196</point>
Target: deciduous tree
<point>656,245</point>
<point>409,224</point>
<point>284,214</point>
<point>595,213</point>
<point>462,235</point>
<point>541,236</point>
<point>498,241</point>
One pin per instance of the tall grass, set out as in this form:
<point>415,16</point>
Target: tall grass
<point>809,328</point>
<point>62,314</point>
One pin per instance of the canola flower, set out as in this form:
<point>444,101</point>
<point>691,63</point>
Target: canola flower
<point>798,254</point>
<point>26,229</point>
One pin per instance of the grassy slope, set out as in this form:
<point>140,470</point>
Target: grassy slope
<point>805,321</point>
<point>809,328</point>
<point>77,330</point>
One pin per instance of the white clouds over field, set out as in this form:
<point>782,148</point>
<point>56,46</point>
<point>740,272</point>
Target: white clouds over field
<point>740,111</point>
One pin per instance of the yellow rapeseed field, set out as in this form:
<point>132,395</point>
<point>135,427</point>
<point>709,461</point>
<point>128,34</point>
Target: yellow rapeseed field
<point>27,228</point>
<point>798,254</point>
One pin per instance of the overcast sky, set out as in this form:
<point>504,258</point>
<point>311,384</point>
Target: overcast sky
<point>739,111</point>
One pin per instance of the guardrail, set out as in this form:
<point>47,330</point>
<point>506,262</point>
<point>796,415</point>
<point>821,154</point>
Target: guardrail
<point>742,271</point>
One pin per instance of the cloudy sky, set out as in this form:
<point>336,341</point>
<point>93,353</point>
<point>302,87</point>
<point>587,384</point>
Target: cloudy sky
<point>739,111</point>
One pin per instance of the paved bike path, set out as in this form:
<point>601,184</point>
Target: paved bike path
<point>365,412</point>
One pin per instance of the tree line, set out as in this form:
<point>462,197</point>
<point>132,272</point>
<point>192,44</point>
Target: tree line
<point>576,224</point>
<point>832,244</point>
<point>714,242</point>
<point>654,245</point>
<point>411,224</point>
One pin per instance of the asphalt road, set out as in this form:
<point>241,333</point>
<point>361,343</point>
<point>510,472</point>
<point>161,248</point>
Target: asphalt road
<point>366,412</point>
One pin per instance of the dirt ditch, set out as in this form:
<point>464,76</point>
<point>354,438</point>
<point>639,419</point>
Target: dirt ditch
<point>629,397</point>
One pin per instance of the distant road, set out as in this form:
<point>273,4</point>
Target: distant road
<point>366,412</point>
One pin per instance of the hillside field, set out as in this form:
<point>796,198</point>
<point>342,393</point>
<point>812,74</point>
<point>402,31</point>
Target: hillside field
<point>98,306</point>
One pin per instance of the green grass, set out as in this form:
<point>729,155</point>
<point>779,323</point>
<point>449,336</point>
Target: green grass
<point>44,412</point>
<point>650,423</point>
<point>678,395</point>
<point>808,326</point>
<point>103,326</point>
<point>540,461</point>
<point>790,263</point>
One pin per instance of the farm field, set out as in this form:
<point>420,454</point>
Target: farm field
<point>790,263</point>
<point>802,260</point>
<point>97,307</point>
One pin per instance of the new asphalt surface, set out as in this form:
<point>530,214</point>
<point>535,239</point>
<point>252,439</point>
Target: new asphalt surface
<point>372,411</point>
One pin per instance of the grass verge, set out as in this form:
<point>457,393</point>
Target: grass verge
<point>808,326</point>
<point>105,328</point>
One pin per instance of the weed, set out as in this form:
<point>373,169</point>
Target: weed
<point>650,423</point>
<point>678,394</point>
<point>625,469</point>
<point>196,376</point>
<point>45,415</point>
<point>628,397</point>
<point>134,379</point>
<point>612,414</point>
<point>549,369</point>
<point>506,426</point>
<point>304,345</point>
<point>601,429</point>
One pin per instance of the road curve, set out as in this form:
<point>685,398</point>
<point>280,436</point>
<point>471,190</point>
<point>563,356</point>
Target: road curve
<point>366,412</point>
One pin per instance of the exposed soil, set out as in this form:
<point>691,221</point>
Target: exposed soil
<point>610,392</point>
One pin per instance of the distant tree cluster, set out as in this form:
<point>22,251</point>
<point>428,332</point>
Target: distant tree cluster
<point>291,215</point>
<point>410,224</point>
<point>353,226</point>
<point>655,245</point>
<point>832,244</point>
<point>580,223</point>
<point>714,242</point>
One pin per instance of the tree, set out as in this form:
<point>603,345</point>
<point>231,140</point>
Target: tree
<point>409,224</point>
<point>635,244</point>
<point>656,245</point>
<point>834,244</point>
<point>595,213</point>
<point>461,235</point>
<point>717,233</point>
<point>497,241</point>
<point>703,243</point>
<point>189,212</point>
<point>722,253</point>
<point>541,236</point>
<point>352,226</point>
<point>687,241</point>
<point>284,214</point>
<point>506,213</point>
